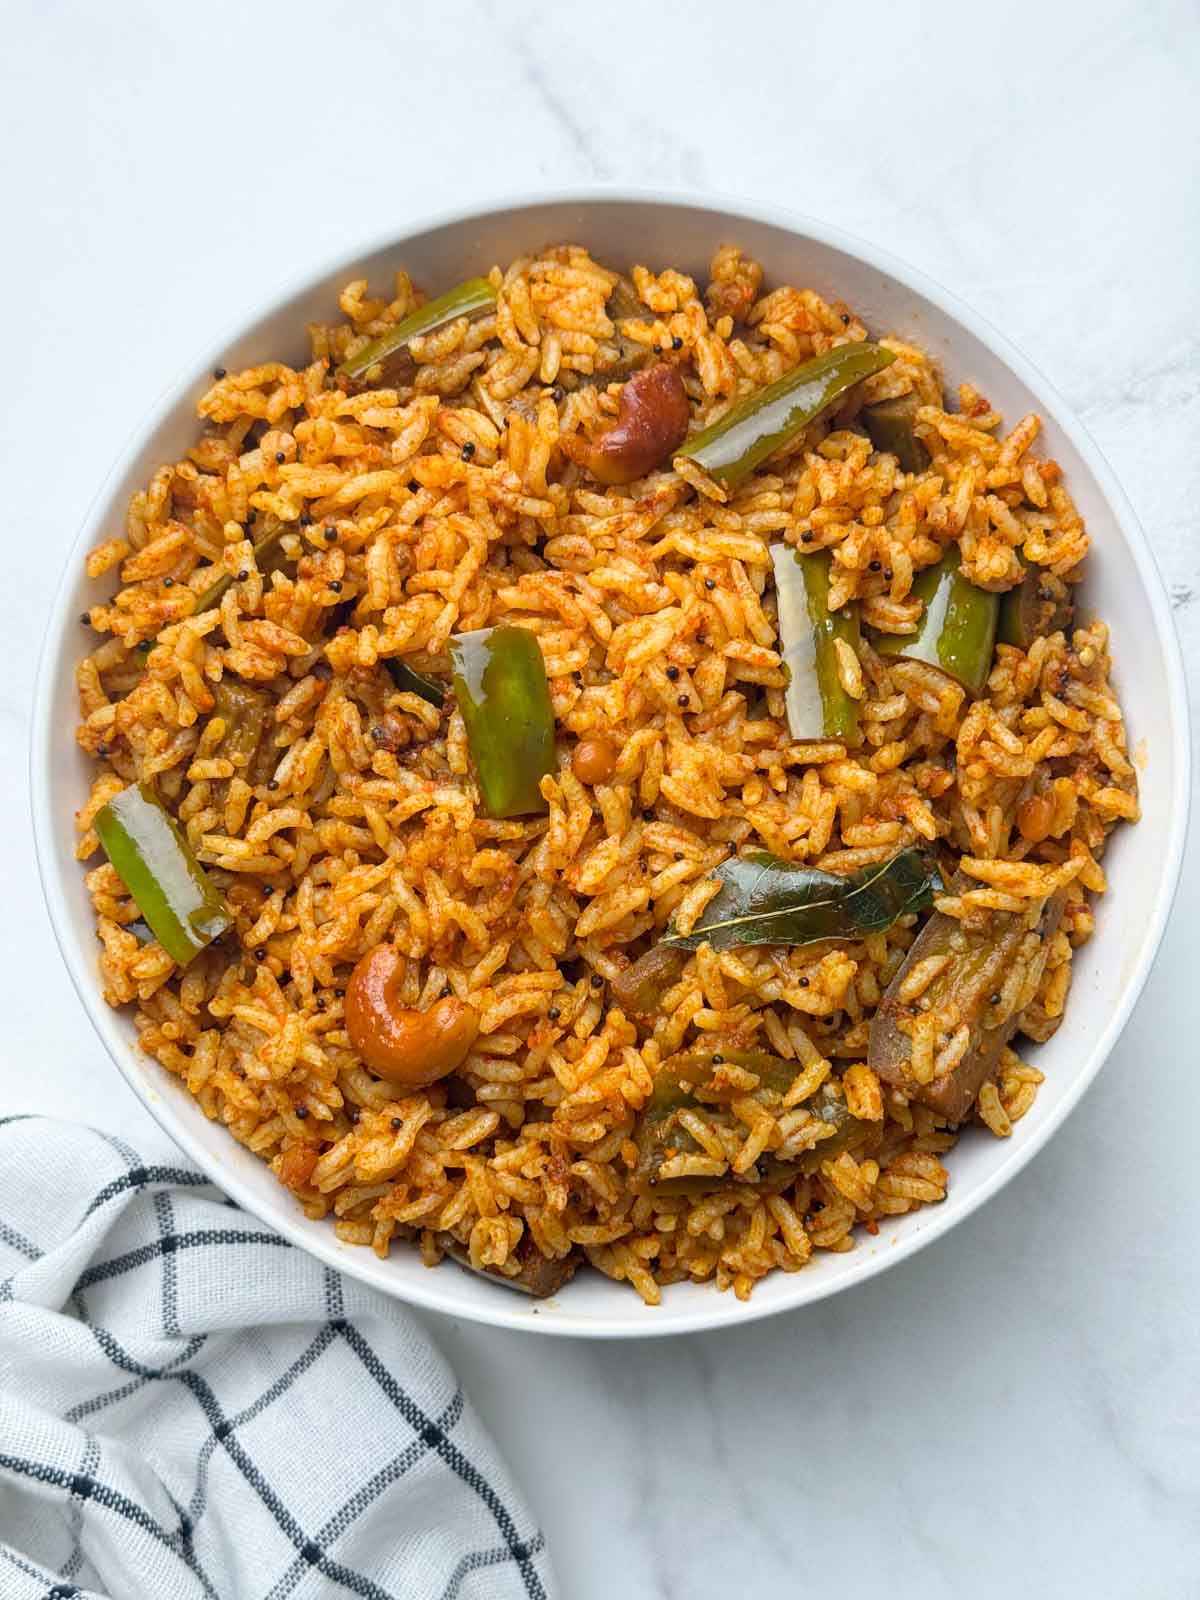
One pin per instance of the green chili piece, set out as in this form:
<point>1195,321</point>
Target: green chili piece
<point>889,425</point>
<point>687,1081</point>
<point>412,682</point>
<point>659,1134</point>
<point>500,681</point>
<point>263,545</point>
<point>765,421</point>
<point>957,630</point>
<point>1039,604</point>
<point>817,705</point>
<point>390,351</point>
<point>156,864</point>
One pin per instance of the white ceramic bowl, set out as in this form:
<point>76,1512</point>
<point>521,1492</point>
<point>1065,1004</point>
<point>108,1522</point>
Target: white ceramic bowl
<point>1123,585</point>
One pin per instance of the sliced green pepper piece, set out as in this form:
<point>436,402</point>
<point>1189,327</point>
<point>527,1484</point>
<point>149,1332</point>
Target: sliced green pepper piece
<point>156,864</point>
<point>817,705</point>
<point>390,351</point>
<point>1033,609</point>
<point>764,422</point>
<point>889,425</point>
<point>957,630</point>
<point>412,682</point>
<point>500,681</point>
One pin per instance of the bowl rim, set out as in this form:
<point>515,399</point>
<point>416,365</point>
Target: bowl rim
<point>724,1311</point>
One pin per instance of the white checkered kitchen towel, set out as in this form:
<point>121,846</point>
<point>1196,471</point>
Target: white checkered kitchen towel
<point>191,1408</point>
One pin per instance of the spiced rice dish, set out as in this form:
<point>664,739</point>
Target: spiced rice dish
<point>599,769</point>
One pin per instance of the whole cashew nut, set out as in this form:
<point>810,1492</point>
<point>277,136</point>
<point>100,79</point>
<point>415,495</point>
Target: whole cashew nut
<point>652,418</point>
<point>411,1048</point>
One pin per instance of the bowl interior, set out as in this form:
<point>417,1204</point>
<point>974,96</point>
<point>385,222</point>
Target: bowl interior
<point>1122,586</point>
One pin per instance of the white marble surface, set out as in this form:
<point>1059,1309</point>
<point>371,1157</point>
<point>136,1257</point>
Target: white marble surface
<point>1018,1408</point>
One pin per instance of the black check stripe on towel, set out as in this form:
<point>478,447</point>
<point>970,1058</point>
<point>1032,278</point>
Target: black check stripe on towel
<point>191,1409</point>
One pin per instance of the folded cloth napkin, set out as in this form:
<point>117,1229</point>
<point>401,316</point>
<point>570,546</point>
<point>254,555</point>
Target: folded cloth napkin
<point>191,1408</point>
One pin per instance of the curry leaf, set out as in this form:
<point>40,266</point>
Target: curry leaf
<point>764,900</point>
<point>404,677</point>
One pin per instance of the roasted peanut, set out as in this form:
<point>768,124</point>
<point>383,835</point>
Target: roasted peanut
<point>296,1165</point>
<point>731,299</point>
<point>411,1048</point>
<point>593,761</point>
<point>651,421</point>
<point>1034,817</point>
